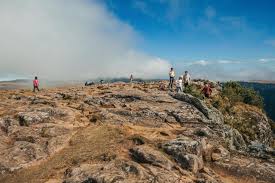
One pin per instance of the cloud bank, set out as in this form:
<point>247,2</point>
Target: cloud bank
<point>224,70</point>
<point>70,40</point>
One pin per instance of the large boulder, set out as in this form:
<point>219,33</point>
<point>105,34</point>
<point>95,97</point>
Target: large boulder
<point>211,113</point>
<point>261,150</point>
<point>212,152</point>
<point>220,153</point>
<point>187,152</point>
<point>145,154</point>
<point>233,138</point>
<point>103,102</point>
<point>28,118</point>
<point>54,111</point>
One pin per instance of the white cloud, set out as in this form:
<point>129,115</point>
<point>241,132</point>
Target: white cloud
<point>228,62</point>
<point>200,62</point>
<point>242,72</point>
<point>205,63</point>
<point>69,39</point>
<point>266,60</point>
<point>224,69</point>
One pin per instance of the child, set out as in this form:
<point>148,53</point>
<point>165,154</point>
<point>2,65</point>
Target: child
<point>179,85</point>
<point>35,84</point>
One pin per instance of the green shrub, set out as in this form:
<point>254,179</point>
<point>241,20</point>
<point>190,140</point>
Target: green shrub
<point>243,125</point>
<point>221,103</point>
<point>193,90</point>
<point>237,93</point>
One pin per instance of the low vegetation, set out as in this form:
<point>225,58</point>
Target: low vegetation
<point>235,92</point>
<point>234,102</point>
<point>194,90</point>
<point>267,91</point>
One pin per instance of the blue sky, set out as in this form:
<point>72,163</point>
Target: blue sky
<point>237,34</point>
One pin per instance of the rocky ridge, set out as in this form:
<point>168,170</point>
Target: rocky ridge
<point>126,133</point>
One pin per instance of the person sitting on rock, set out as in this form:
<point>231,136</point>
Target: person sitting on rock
<point>186,79</point>
<point>172,78</point>
<point>35,84</point>
<point>179,85</point>
<point>207,91</point>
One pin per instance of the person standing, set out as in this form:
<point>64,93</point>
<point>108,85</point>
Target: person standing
<point>172,78</point>
<point>131,78</point>
<point>35,84</point>
<point>179,85</point>
<point>207,91</point>
<point>186,79</point>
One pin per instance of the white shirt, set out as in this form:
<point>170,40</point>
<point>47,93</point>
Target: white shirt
<point>172,73</point>
<point>187,78</point>
<point>179,83</point>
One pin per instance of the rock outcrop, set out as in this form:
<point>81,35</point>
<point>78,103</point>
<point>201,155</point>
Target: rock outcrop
<point>128,133</point>
<point>187,152</point>
<point>252,123</point>
<point>210,113</point>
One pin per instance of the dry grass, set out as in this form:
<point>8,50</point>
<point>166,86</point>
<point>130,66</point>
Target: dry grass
<point>85,146</point>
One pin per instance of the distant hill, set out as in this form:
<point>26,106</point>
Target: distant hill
<point>14,84</point>
<point>262,81</point>
<point>267,91</point>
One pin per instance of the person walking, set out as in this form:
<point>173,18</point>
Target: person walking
<point>179,85</point>
<point>131,78</point>
<point>207,91</point>
<point>35,84</point>
<point>172,78</point>
<point>186,79</point>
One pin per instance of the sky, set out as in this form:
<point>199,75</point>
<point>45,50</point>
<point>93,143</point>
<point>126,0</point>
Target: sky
<point>86,39</point>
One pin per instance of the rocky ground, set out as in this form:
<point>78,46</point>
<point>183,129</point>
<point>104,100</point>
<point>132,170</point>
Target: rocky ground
<point>125,133</point>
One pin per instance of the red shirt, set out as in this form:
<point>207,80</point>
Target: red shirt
<point>207,90</point>
<point>35,82</point>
